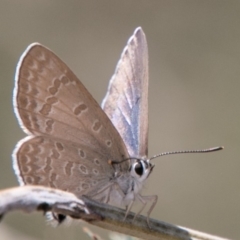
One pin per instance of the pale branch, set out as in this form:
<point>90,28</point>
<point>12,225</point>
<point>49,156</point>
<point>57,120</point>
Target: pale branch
<point>36,198</point>
<point>113,219</point>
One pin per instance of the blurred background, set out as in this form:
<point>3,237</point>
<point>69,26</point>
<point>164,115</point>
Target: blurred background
<point>194,64</point>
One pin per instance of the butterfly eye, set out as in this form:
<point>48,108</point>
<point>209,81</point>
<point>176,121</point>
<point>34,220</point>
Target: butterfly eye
<point>139,168</point>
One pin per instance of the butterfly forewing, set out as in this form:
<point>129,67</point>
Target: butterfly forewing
<point>126,102</point>
<point>52,104</point>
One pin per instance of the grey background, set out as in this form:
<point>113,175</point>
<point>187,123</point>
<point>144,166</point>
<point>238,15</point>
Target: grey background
<point>194,62</point>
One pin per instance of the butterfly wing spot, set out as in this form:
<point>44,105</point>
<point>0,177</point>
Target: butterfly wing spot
<point>64,80</point>
<point>94,182</point>
<point>34,180</point>
<point>29,179</point>
<point>56,85</point>
<point>51,100</point>
<point>59,146</point>
<point>55,154</point>
<point>24,159</point>
<point>26,119</point>
<point>108,143</point>
<point>95,171</point>
<point>23,101</point>
<point>27,149</point>
<point>97,126</point>
<point>53,176</point>
<point>33,105</point>
<point>31,63</point>
<point>40,180</point>
<point>34,91</point>
<point>27,74</point>
<point>82,154</point>
<point>96,161</point>
<point>80,108</point>
<point>24,87</point>
<point>46,109</point>
<point>25,169</point>
<point>69,168</point>
<point>83,169</point>
<point>49,127</point>
<point>48,168</point>
<point>35,123</point>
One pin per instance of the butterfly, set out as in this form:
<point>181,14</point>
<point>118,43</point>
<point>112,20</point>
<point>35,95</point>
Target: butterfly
<point>75,145</point>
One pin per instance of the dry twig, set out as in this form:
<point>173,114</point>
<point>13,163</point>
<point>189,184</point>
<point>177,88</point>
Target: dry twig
<point>36,198</point>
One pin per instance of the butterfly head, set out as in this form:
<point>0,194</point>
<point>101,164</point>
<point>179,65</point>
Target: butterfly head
<point>141,168</point>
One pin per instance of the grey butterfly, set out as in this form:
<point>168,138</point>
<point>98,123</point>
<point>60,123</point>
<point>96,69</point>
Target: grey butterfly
<point>74,145</point>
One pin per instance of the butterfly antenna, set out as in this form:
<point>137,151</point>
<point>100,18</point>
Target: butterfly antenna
<point>214,149</point>
<point>111,162</point>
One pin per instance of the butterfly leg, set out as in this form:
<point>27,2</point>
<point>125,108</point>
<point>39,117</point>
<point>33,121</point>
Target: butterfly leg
<point>144,200</point>
<point>106,195</point>
<point>122,195</point>
<point>114,187</point>
<point>128,210</point>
